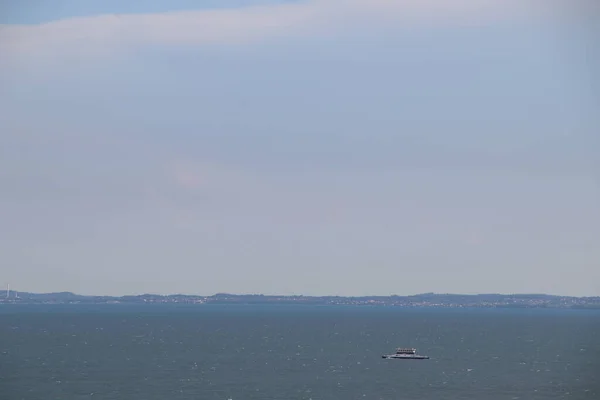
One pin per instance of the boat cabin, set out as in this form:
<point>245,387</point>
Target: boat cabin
<point>405,351</point>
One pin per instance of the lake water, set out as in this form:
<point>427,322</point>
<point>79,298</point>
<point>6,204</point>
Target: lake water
<point>295,352</point>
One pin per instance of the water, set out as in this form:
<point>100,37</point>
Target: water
<point>285,352</point>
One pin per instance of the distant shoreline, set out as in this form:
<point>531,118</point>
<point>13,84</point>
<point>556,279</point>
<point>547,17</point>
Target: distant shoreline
<point>524,301</point>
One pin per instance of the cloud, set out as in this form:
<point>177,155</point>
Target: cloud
<point>191,175</point>
<point>104,35</point>
<point>187,176</point>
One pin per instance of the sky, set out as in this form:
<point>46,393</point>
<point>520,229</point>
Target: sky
<point>324,147</point>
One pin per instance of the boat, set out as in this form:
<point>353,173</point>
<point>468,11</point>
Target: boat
<point>405,354</point>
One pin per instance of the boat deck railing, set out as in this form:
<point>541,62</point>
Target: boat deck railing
<point>405,351</point>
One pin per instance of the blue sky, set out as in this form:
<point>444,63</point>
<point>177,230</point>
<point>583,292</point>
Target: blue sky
<point>41,11</point>
<point>323,147</point>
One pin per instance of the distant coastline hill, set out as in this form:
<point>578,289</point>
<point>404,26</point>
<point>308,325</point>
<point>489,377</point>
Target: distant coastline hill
<point>419,300</point>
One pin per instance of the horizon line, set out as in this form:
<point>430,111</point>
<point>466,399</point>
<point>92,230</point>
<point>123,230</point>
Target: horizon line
<point>305,295</point>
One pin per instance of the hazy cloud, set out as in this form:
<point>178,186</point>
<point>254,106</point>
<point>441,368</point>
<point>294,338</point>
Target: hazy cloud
<point>103,35</point>
<point>300,143</point>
